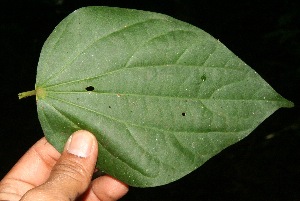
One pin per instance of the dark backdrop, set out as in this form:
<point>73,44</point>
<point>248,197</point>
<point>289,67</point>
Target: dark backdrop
<point>265,34</point>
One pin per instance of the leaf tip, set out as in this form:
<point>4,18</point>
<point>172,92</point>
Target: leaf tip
<point>289,104</point>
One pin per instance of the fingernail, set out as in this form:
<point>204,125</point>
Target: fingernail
<point>80,144</point>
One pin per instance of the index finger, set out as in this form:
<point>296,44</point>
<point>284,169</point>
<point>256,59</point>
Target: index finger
<point>30,171</point>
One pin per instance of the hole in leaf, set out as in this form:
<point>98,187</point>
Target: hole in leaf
<point>90,88</point>
<point>183,114</point>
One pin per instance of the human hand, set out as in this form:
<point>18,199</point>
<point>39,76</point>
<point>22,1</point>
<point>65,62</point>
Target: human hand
<point>45,174</point>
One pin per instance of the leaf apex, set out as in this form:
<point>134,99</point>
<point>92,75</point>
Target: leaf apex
<point>289,104</point>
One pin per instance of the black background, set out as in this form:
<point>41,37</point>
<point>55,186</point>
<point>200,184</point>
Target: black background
<point>265,34</point>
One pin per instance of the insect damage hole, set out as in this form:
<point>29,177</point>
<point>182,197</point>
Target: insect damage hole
<point>89,88</point>
<point>183,114</point>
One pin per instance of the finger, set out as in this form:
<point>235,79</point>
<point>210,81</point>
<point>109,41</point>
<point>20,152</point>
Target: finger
<point>72,173</point>
<point>106,188</point>
<point>30,171</point>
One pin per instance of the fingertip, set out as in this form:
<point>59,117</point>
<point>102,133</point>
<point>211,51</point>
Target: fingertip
<point>108,188</point>
<point>74,169</point>
<point>81,143</point>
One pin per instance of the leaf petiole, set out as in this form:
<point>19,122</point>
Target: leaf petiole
<point>26,94</point>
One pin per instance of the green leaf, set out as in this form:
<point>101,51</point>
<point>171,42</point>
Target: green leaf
<point>160,95</point>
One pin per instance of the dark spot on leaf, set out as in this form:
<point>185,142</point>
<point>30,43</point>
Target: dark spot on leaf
<point>90,88</point>
<point>203,77</point>
<point>109,106</point>
<point>183,114</point>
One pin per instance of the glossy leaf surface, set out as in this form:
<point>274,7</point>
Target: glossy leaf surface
<point>160,95</point>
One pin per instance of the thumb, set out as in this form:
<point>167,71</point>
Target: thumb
<point>71,175</point>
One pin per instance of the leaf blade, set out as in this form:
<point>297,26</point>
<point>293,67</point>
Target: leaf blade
<point>165,96</point>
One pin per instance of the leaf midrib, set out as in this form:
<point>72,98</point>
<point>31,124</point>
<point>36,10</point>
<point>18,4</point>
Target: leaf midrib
<point>141,67</point>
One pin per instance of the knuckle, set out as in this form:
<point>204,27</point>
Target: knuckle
<point>41,194</point>
<point>71,169</point>
<point>7,191</point>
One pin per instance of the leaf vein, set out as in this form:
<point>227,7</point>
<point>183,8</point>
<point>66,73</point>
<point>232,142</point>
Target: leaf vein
<point>141,67</point>
<point>54,45</point>
<point>64,67</point>
<point>131,123</point>
<point>80,128</point>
